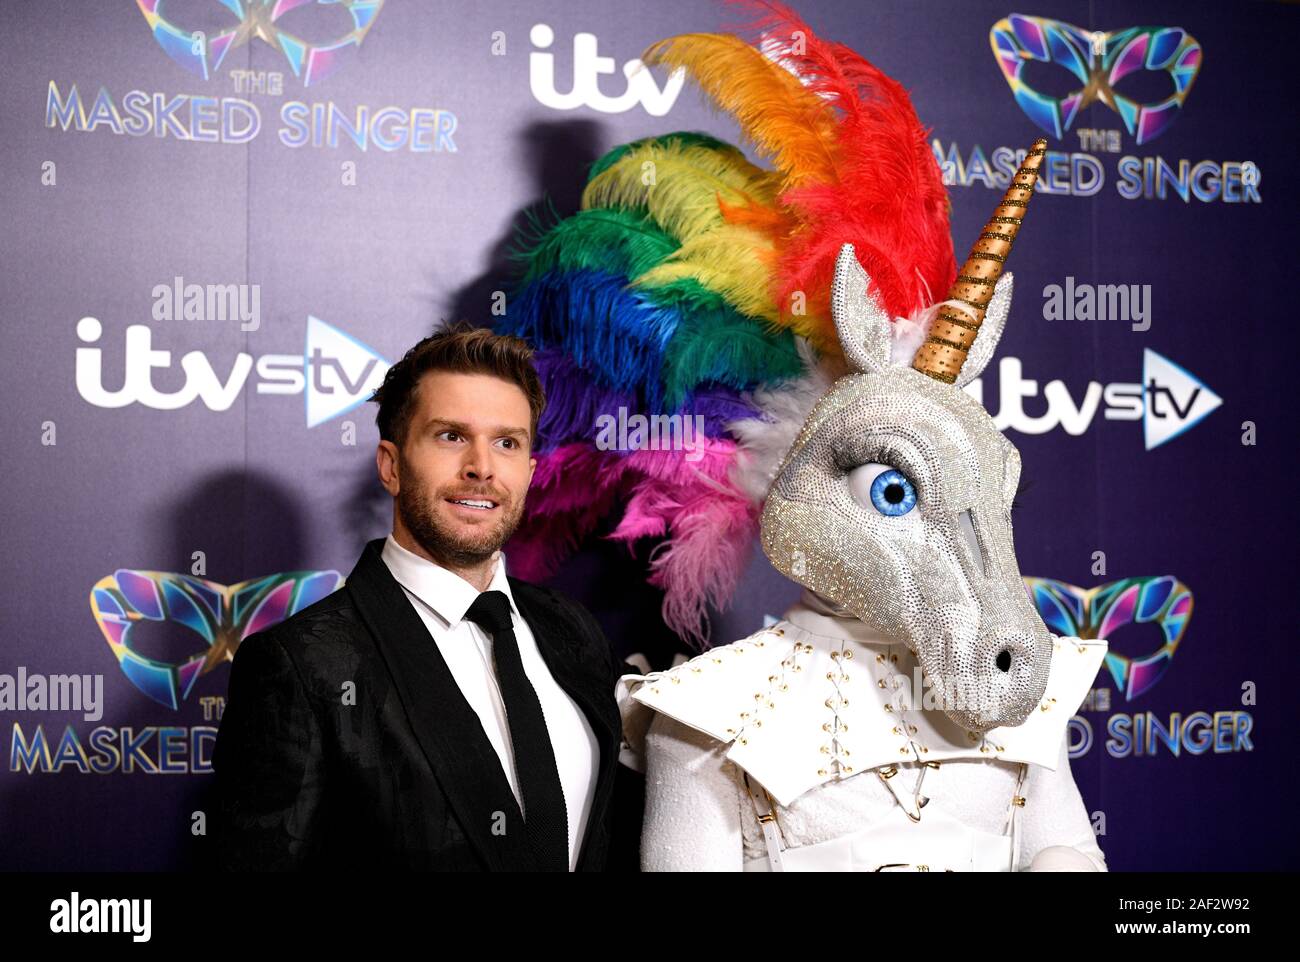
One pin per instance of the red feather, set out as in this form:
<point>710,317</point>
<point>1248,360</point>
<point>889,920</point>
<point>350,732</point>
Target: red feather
<point>889,199</point>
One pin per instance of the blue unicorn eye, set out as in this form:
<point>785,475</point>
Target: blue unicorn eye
<point>892,493</point>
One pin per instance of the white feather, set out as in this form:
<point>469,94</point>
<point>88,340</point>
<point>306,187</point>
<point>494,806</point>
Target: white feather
<point>909,333</point>
<point>764,442</point>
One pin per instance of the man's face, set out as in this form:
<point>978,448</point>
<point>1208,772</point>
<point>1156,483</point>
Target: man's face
<point>467,441</point>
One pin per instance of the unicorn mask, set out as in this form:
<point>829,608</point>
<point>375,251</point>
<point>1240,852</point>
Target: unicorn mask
<point>894,501</point>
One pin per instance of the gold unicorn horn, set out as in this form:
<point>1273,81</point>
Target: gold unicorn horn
<point>953,331</point>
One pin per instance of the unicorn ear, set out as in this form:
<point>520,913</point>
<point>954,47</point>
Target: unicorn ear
<point>864,328</point>
<point>986,341</point>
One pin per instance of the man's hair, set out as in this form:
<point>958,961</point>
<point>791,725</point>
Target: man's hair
<point>463,349</point>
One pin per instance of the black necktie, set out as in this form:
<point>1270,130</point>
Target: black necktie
<point>546,819</point>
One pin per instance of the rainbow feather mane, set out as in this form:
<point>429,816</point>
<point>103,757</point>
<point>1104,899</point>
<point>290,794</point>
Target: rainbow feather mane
<point>694,282</point>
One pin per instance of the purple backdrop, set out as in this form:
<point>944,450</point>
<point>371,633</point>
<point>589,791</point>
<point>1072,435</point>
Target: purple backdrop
<point>128,162</point>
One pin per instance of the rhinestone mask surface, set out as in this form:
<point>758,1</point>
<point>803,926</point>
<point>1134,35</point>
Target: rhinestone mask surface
<point>954,596</point>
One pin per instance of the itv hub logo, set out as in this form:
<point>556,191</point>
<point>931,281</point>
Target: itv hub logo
<point>335,373</point>
<point>1169,401</point>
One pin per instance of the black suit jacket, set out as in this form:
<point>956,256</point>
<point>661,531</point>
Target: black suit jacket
<point>346,743</point>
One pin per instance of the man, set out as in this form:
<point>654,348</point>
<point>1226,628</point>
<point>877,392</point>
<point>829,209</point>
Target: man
<point>434,713</point>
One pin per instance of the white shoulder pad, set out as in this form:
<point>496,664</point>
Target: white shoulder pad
<point>707,693</point>
<point>1075,663</point>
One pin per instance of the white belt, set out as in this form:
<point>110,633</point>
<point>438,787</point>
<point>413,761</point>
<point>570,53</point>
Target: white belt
<point>936,843</point>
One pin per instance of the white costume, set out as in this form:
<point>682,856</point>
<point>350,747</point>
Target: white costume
<point>800,708</point>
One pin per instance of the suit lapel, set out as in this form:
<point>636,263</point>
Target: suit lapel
<point>448,730</point>
<point>558,641</point>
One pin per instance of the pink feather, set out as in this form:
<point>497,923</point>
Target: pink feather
<point>560,511</point>
<point>711,525</point>
<point>702,564</point>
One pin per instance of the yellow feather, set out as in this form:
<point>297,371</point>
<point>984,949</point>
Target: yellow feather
<point>728,261</point>
<point>793,128</point>
<point>734,261</point>
<point>682,197</point>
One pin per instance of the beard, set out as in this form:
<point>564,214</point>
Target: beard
<point>419,510</point>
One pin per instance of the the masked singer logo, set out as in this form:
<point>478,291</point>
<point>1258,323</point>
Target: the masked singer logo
<point>1099,612</point>
<point>1099,62</point>
<point>221,616</point>
<point>202,54</point>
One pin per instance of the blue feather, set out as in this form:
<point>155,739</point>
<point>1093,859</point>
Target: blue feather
<point>607,328</point>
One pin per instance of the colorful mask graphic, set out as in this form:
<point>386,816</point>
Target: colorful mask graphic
<point>202,54</point>
<point>1099,61</point>
<point>222,616</point>
<point>1098,612</point>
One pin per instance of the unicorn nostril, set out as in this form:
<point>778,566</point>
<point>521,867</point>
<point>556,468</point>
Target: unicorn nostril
<point>1004,660</point>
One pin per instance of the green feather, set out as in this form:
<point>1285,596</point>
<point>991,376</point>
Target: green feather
<point>609,241</point>
<point>714,343</point>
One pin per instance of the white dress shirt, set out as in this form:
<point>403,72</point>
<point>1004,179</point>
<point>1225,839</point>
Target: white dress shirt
<point>441,598</point>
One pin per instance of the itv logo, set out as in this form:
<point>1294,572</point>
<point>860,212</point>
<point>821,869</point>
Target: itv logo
<point>335,373</point>
<point>588,67</point>
<point>1169,401</point>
